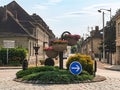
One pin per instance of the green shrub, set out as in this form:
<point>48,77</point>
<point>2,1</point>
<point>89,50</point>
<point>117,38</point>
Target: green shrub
<point>60,77</point>
<point>22,73</point>
<point>3,53</point>
<point>14,63</point>
<point>15,54</point>
<point>84,60</point>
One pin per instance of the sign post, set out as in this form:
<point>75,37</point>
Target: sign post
<point>75,68</point>
<point>8,44</point>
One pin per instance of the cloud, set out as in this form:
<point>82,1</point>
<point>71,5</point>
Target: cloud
<point>92,10</point>
<point>55,1</point>
<point>53,20</point>
<point>40,7</point>
<point>87,11</point>
<point>46,5</point>
<point>114,6</point>
<point>81,12</point>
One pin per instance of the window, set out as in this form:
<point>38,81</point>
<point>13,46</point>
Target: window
<point>119,29</point>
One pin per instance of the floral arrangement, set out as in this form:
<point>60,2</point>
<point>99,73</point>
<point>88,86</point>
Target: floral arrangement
<point>48,48</point>
<point>50,52</point>
<point>75,36</point>
<point>60,42</point>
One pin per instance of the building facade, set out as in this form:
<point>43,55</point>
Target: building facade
<point>92,42</point>
<point>26,30</point>
<point>117,61</point>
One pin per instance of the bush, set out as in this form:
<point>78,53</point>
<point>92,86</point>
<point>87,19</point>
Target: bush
<point>49,62</point>
<point>84,60</point>
<point>22,73</point>
<point>15,54</point>
<point>14,63</point>
<point>44,75</point>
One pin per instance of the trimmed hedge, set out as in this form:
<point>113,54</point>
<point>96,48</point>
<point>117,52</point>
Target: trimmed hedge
<point>31,70</point>
<point>51,75</point>
<point>15,54</point>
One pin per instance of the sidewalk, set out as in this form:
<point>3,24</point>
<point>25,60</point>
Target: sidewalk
<point>10,67</point>
<point>108,66</point>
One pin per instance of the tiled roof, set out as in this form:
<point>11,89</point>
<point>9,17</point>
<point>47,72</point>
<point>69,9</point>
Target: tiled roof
<point>14,19</point>
<point>19,12</point>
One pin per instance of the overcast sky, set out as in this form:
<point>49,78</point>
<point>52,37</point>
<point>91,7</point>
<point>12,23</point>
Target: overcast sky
<point>74,16</point>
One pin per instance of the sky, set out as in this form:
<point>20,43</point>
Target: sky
<point>75,16</point>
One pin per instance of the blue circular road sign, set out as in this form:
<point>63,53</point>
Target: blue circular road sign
<point>75,68</point>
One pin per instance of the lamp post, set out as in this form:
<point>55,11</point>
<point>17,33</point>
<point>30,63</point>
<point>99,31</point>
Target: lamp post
<point>36,48</point>
<point>102,10</point>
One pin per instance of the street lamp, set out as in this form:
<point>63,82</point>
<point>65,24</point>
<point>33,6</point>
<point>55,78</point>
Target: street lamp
<point>109,10</point>
<point>36,48</point>
<point>102,10</point>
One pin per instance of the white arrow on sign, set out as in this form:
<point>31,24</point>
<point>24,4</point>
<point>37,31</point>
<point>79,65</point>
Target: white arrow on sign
<point>77,68</point>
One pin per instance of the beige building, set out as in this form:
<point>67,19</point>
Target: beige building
<point>92,42</point>
<point>117,61</point>
<point>26,30</point>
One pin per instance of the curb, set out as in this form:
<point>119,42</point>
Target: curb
<point>112,69</point>
<point>1,68</point>
<point>98,78</point>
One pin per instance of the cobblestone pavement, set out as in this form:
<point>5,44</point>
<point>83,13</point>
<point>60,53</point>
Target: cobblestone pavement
<point>112,82</point>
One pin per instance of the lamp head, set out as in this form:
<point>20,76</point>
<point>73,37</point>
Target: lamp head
<point>99,11</point>
<point>109,10</point>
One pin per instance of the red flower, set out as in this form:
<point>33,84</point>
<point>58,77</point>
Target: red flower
<point>48,48</point>
<point>75,36</point>
<point>60,42</point>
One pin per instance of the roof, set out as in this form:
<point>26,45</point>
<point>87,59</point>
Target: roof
<point>14,19</point>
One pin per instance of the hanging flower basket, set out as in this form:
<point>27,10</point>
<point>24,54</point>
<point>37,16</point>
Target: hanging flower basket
<point>50,52</point>
<point>59,45</point>
<point>72,39</point>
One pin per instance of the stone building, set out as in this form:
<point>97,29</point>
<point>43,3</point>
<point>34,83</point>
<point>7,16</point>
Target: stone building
<point>92,42</point>
<point>117,39</point>
<point>26,30</point>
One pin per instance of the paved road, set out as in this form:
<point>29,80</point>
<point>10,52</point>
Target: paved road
<point>112,82</point>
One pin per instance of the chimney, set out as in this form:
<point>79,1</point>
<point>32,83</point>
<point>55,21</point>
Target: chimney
<point>96,28</point>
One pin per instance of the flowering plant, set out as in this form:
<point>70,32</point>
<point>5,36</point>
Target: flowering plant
<point>60,42</point>
<point>75,36</point>
<point>49,48</point>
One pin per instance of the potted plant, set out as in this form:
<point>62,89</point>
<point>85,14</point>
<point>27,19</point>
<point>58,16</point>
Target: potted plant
<point>50,52</point>
<point>59,45</point>
<point>72,39</point>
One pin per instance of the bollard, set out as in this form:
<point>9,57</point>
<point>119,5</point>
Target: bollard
<point>25,64</point>
<point>95,68</point>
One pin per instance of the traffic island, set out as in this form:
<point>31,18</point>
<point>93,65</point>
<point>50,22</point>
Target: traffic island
<point>54,75</point>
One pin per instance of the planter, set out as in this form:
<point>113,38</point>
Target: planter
<point>71,41</point>
<point>51,54</point>
<point>59,47</point>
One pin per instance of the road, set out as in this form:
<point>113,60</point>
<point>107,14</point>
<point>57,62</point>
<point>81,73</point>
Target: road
<point>112,82</point>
